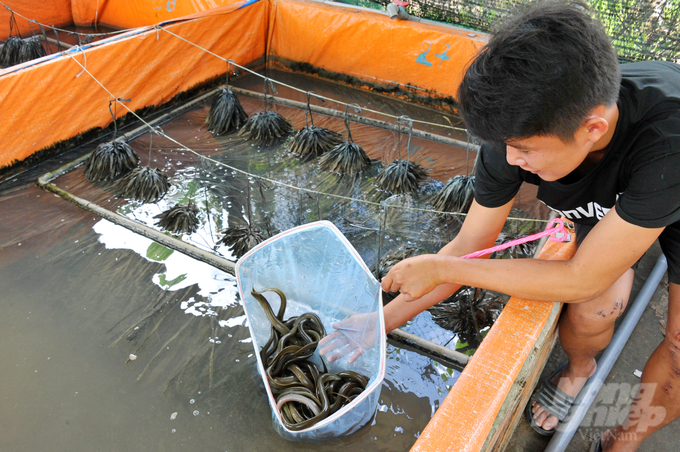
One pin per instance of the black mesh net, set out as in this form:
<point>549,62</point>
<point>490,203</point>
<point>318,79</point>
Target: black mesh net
<point>640,29</point>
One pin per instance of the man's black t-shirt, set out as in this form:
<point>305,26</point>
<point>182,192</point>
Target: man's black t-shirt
<point>639,172</point>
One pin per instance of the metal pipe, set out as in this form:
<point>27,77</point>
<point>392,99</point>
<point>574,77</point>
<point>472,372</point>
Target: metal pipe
<point>359,119</point>
<point>55,42</point>
<point>141,229</point>
<point>430,349</point>
<point>566,430</point>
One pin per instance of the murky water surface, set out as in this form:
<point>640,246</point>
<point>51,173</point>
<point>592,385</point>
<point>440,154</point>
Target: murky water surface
<point>109,341</point>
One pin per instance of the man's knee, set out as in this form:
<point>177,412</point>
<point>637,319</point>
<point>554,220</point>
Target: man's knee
<point>599,314</point>
<point>594,316</point>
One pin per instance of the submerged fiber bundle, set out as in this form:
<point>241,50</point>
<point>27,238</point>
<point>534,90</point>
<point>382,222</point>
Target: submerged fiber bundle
<point>313,141</point>
<point>240,239</point>
<point>143,184</point>
<point>467,311</point>
<point>401,176</point>
<point>456,195</point>
<point>110,160</point>
<point>266,128</point>
<point>181,219</point>
<point>226,113</point>
<point>345,158</point>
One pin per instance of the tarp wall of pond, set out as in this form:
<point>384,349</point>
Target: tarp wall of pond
<point>52,99</point>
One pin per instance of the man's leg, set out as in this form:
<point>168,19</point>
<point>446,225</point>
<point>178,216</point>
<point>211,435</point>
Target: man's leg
<point>585,329</point>
<point>658,401</point>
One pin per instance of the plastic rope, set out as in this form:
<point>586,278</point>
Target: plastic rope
<point>549,230</point>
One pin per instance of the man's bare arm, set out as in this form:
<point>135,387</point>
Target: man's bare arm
<point>479,231</point>
<point>612,247</point>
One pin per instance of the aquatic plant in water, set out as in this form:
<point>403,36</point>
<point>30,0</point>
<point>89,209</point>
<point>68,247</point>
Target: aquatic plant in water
<point>31,49</point>
<point>266,128</point>
<point>401,176</point>
<point>313,141</point>
<point>16,50</point>
<point>226,113</point>
<point>113,158</point>
<point>144,184</point>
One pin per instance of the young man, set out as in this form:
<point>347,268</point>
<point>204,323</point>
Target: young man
<point>602,142</point>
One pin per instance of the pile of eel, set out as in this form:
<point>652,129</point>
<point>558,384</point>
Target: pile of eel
<point>304,394</point>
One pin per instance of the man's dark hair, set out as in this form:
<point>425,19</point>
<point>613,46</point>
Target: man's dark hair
<point>541,73</point>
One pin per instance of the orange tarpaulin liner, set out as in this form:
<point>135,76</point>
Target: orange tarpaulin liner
<point>45,102</point>
<point>55,100</point>
<point>371,46</point>
<point>123,14</point>
<point>53,12</point>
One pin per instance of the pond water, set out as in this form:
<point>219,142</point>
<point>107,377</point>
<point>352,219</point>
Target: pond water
<point>110,341</point>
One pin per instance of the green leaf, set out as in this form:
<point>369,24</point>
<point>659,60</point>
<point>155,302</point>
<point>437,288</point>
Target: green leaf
<point>168,284</point>
<point>158,252</point>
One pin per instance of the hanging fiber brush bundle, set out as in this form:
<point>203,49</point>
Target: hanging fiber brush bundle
<point>17,50</point>
<point>144,183</point>
<point>226,113</point>
<point>240,239</point>
<point>180,219</point>
<point>32,47</point>
<point>9,55</point>
<point>346,157</point>
<point>267,127</point>
<point>457,194</point>
<point>402,176</point>
<point>113,158</point>
<point>312,141</point>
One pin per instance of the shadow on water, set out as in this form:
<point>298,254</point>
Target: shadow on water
<point>111,341</point>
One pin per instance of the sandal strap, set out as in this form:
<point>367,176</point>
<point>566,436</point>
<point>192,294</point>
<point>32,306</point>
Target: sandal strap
<point>553,400</point>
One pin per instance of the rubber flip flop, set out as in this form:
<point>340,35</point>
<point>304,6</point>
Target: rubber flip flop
<point>552,399</point>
